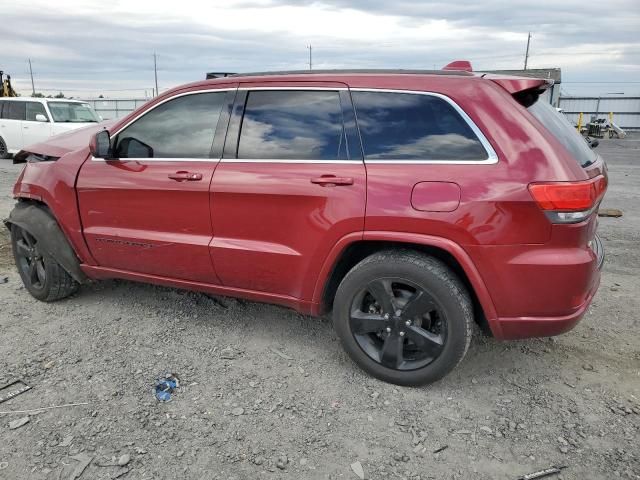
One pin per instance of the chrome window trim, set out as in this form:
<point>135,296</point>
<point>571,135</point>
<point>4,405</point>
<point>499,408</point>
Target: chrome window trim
<point>327,89</point>
<point>226,160</point>
<point>193,92</point>
<point>269,160</point>
<point>154,159</point>
<point>492,156</point>
<point>213,90</point>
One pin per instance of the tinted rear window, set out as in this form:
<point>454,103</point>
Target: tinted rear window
<point>405,126</point>
<point>296,125</point>
<point>15,110</point>
<point>566,134</point>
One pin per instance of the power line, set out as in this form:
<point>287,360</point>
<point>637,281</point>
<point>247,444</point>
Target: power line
<point>605,82</point>
<point>80,89</point>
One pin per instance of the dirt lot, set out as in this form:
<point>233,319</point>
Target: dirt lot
<point>269,394</point>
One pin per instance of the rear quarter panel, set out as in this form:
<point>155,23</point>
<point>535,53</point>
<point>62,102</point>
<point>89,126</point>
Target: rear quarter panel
<point>493,197</point>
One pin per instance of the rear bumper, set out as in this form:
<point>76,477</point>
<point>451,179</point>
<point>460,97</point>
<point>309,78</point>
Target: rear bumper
<point>528,327</point>
<point>540,291</point>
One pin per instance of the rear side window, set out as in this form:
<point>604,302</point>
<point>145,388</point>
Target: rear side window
<point>564,132</point>
<point>294,125</point>
<point>33,109</point>
<point>2,104</point>
<point>15,110</point>
<point>405,126</point>
<point>180,128</point>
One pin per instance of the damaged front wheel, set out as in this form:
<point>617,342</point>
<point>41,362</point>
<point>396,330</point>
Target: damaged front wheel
<point>42,276</point>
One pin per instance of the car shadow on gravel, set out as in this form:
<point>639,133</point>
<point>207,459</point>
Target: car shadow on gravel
<point>273,327</point>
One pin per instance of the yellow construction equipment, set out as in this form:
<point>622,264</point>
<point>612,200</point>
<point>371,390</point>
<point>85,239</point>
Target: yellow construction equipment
<point>6,90</point>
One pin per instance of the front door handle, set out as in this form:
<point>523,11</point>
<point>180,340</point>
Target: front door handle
<point>332,181</point>
<point>183,176</point>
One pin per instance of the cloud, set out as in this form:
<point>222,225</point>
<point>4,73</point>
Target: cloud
<point>92,47</point>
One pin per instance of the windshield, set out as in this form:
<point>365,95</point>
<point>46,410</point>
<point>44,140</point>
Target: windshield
<point>72,112</point>
<point>559,126</point>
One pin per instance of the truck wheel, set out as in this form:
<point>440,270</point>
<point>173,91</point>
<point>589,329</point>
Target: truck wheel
<point>4,151</point>
<point>42,276</point>
<point>403,317</point>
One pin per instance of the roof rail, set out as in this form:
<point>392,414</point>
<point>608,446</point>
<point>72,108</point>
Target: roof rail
<point>211,75</point>
<point>352,71</point>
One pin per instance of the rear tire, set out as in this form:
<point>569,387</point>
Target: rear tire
<point>41,275</point>
<point>403,317</point>
<point>4,150</point>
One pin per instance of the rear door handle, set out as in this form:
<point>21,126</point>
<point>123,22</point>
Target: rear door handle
<point>183,176</point>
<point>332,181</point>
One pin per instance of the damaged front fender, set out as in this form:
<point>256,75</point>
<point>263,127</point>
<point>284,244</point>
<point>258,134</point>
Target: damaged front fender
<point>38,221</point>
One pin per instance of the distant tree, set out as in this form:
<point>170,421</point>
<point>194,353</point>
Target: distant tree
<point>100,96</point>
<point>59,95</point>
<point>38,95</point>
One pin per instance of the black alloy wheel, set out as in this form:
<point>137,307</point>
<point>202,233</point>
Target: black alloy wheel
<point>398,324</point>
<point>43,277</point>
<point>403,316</point>
<point>30,260</point>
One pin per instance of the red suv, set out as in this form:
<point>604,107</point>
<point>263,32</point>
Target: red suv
<point>410,204</point>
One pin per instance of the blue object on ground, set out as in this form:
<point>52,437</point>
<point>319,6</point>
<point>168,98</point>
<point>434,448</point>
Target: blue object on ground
<point>165,387</point>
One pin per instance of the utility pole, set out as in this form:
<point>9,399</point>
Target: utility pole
<point>155,71</point>
<point>526,55</point>
<point>33,87</point>
<point>310,57</point>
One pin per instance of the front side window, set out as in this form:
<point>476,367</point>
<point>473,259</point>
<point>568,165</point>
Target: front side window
<point>180,128</point>
<point>406,126</point>
<point>72,112</point>
<point>292,125</point>
<point>33,109</point>
<point>15,110</point>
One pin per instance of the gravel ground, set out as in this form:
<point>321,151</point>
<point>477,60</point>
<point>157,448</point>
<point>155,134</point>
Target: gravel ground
<point>267,393</point>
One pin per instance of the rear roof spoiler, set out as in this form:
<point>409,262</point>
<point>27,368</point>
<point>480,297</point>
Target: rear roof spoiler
<point>511,84</point>
<point>515,85</point>
<point>524,90</point>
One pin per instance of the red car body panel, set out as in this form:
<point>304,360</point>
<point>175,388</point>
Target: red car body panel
<point>263,231</point>
<point>274,228</point>
<point>136,218</point>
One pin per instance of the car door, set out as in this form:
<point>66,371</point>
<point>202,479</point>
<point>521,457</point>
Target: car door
<point>148,210</point>
<point>13,114</point>
<point>34,131</point>
<point>291,183</point>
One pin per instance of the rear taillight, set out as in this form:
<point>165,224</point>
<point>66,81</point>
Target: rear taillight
<point>569,202</point>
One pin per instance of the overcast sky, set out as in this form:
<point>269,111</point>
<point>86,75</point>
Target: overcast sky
<point>88,47</point>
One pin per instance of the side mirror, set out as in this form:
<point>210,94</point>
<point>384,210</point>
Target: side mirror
<point>100,145</point>
<point>41,118</point>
